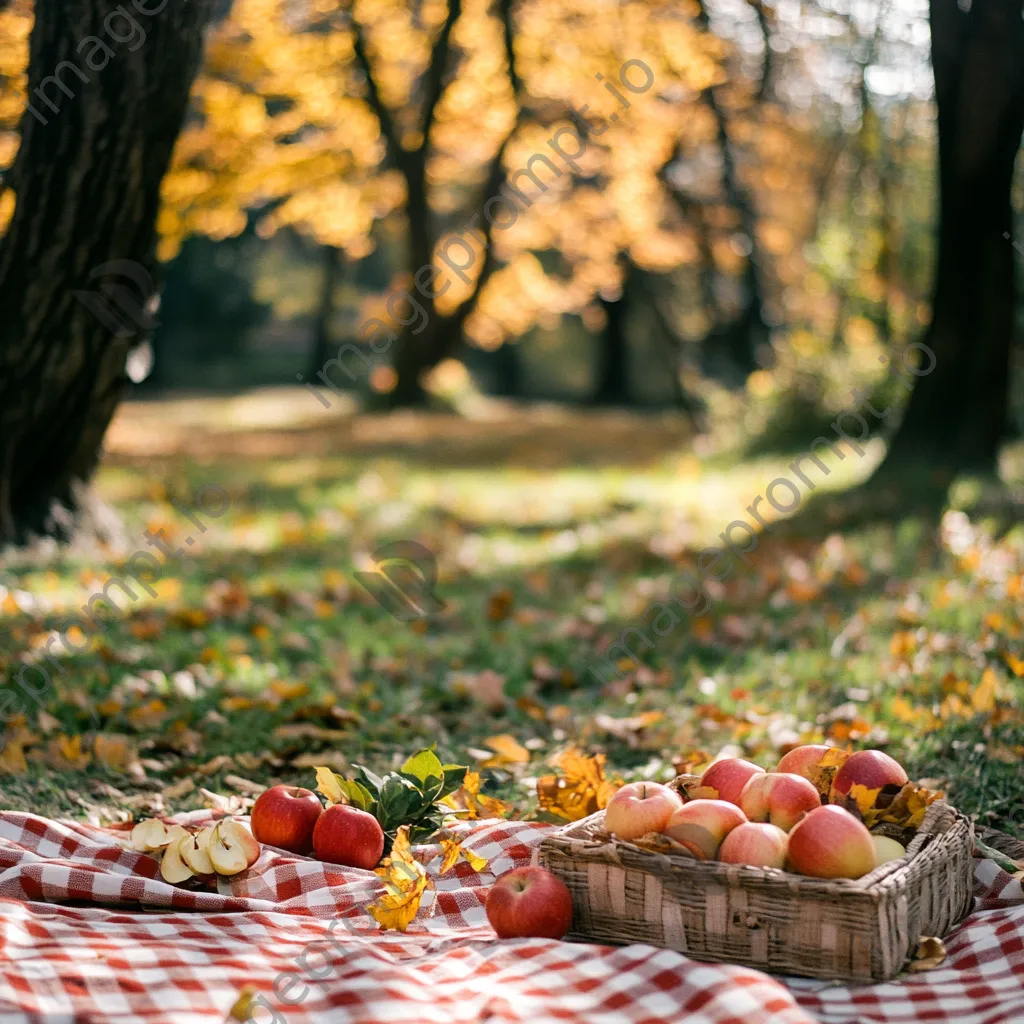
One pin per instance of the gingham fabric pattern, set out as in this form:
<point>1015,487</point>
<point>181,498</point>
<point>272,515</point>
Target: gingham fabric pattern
<point>89,932</point>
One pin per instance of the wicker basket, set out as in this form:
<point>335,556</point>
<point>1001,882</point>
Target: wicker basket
<point>863,930</point>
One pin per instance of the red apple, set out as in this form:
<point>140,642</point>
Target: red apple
<point>639,808</point>
<point>729,776</point>
<point>831,843</point>
<point>529,903</point>
<point>805,761</point>
<point>779,797</point>
<point>870,768</point>
<point>285,816</point>
<point>756,843</point>
<point>349,836</point>
<point>701,825</point>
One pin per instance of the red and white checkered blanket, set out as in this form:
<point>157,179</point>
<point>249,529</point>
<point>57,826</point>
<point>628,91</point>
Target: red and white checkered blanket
<point>90,932</point>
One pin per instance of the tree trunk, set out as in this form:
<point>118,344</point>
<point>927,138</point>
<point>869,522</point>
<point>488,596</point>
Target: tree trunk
<point>613,359</point>
<point>322,350</point>
<point>506,361</point>
<point>74,287</point>
<point>957,414</point>
<point>744,337</point>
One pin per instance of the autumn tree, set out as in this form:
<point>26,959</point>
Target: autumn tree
<point>108,93</point>
<point>956,417</point>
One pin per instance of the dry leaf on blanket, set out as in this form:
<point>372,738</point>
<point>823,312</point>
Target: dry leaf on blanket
<point>930,953</point>
<point>452,849</point>
<point>241,1010</point>
<point>405,881</point>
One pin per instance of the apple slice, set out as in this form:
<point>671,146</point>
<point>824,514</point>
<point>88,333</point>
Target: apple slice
<point>172,868</point>
<point>149,836</point>
<point>195,852</point>
<point>232,848</point>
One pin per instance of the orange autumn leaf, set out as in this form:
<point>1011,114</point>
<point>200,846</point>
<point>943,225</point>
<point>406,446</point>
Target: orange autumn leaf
<point>580,790</point>
<point>405,881</point>
<point>864,798</point>
<point>902,644</point>
<point>983,700</point>
<point>1016,664</point>
<point>452,850</point>
<point>288,691</point>
<point>907,808</point>
<point>831,762</point>
<point>507,751</point>
<point>66,754</point>
<point>471,804</point>
<point>499,605</point>
<point>113,751</point>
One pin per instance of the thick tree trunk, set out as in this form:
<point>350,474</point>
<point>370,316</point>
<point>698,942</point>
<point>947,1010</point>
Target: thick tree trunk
<point>956,418</point>
<point>109,91</point>
<point>330,271</point>
<point>506,361</point>
<point>613,358</point>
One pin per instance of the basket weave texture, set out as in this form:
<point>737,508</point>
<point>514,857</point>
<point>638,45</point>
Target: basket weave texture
<point>859,930</point>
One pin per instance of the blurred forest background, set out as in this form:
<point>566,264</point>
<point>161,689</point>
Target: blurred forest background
<point>760,223</point>
<point>745,247</point>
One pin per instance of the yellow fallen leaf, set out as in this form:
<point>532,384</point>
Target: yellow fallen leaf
<point>864,798</point>
<point>473,804</point>
<point>1016,664</point>
<point>113,751</point>
<point>507,750</point>
<point>405,881</point>
<point>983,700</point>
<point>149,715</point>
<point>580,791</point>
<point>930,953</point>
<point>241,1009</point>
<point>907,808</point>
<point>236,703</point>
<point>452,849</point>
<point>65,752</point>
<point>904,710</point>
<point>12,756</point>
<point>833,759</point>
<point>327,784</point>
<point>288,691</point>
<point>395,911</point>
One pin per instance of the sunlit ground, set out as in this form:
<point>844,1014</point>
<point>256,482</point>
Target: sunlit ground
<point>258,655</point>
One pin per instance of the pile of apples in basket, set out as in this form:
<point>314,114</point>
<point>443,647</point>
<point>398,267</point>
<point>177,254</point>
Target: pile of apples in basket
<point>805,816</point>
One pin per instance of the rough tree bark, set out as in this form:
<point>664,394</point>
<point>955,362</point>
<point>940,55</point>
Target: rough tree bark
<point>106,110</point>
<point>956,417</point>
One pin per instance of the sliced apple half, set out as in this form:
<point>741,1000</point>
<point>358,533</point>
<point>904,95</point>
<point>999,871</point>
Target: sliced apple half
<point>195,852</point>
<point>173,868</point>
<point>149,836</point>
<point>232,848</point>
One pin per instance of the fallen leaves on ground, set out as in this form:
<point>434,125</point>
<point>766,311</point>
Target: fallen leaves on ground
<point>581,788</point>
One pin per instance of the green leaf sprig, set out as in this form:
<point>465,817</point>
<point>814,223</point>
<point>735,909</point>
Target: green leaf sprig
<point>409,796</point>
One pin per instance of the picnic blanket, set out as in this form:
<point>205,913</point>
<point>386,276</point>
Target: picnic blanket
<point>89,932</point>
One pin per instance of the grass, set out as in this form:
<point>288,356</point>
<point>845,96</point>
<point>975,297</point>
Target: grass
<point>260,655</point>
